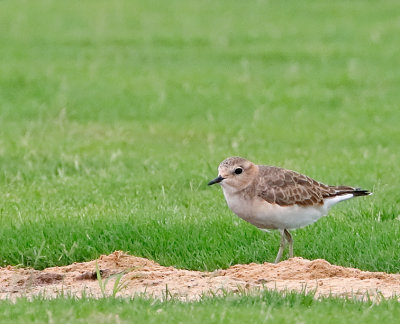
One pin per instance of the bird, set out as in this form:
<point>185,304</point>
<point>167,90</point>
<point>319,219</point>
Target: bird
<point>274,198</point>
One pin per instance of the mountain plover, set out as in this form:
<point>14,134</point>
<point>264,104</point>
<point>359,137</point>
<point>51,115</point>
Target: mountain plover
<point>275,198</point>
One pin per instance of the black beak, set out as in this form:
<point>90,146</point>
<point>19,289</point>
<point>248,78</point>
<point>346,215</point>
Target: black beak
<point>216,180</point>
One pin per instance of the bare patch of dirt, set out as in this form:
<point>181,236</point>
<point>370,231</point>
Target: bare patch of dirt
<point>143,276</point>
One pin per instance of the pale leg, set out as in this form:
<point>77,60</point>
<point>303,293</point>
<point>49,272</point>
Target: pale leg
<point>289,239</point>
<point>282,246</point>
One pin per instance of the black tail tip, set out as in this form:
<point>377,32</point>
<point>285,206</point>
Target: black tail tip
<point>361,192</point>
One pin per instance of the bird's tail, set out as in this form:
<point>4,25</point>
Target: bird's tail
<point>356,192</point>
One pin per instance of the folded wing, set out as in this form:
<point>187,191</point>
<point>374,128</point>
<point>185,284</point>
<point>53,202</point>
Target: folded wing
<point>285,188</point>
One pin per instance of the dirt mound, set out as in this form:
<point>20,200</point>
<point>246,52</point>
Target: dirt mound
<point>142,276</point>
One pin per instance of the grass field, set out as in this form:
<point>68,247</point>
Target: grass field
<point>269,307</point>
<point>115,114</point>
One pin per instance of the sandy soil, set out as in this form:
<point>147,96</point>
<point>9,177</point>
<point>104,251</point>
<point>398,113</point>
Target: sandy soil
<point>141,275</point>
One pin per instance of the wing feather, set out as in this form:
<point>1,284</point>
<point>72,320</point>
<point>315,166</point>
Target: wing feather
<point>285,187</point>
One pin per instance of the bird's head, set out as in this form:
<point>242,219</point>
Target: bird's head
<point>236,173</point>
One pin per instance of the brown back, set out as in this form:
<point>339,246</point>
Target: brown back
<point>285,187</point>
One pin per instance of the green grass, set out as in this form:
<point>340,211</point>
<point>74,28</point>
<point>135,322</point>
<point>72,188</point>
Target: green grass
<point>268,307</point>
<point>114,116</point>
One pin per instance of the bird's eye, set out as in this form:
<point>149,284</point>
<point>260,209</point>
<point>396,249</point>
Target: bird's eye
<point>238,170</point>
